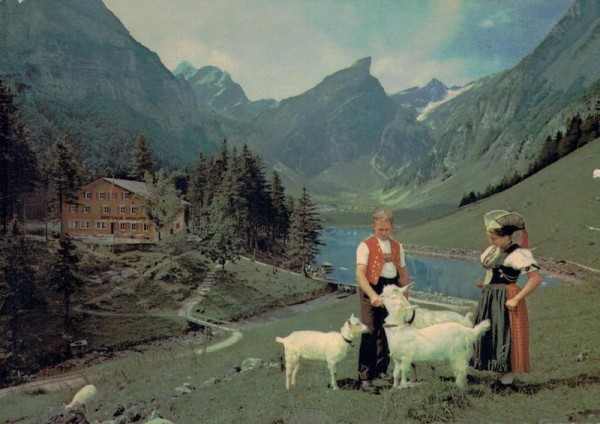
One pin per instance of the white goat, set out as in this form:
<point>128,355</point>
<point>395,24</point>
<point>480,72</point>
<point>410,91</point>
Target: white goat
<point>331,347</point>
<point>82,397</point>
<point>397,306</point>
<point>446,341</point>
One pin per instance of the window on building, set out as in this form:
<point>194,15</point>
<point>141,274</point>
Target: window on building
<point>87,209</point>
<point>126,195</point>
<point>122,226</point>
<point>100,225</point>
<point>134,209</point>
<point>86,224</point>
<point>146,227</point>
<point>73,224</point>
<point>122,209</point>
<point>105,209</point>
<point>87,195</point>
<point>100,195</point>
<point>134,226</point>
<point>73,208</point>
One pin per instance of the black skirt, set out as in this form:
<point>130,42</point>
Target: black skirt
<point>492,350</point>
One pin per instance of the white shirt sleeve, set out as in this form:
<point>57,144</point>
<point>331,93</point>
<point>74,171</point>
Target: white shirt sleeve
<point>362,254</point>
<point>402,260</point>
<point>522,259</point>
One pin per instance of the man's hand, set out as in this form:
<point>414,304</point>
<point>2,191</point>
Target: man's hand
<point>376,301</point>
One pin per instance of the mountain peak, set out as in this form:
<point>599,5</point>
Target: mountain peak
<point>363,65</point>
<point>418,97</point>
<point>435,83</point>
<point>185,68</point>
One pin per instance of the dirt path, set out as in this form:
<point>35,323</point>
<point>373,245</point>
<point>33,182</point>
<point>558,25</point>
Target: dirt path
<point>79,377</point>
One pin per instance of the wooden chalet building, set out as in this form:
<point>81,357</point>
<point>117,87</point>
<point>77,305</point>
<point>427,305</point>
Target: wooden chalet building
<point>112,208</point>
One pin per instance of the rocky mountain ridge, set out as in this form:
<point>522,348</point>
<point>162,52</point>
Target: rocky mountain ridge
<point>501,124</point>
<point>79,72</point>
<point>215,90</point>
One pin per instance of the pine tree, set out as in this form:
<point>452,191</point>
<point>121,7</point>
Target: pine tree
<point>198,192</point>
<point>305,233</point>
<point>256,192</point>
<point>64,278</point>
<point>142,159</point>
<point>65,173</point>
<point>18,283</point>
<point>232,189</point>
<point>280,218</point>
<point>18,163</point>
<point>221,241</point>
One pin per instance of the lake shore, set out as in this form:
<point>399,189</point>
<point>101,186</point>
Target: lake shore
<point>565,271</point>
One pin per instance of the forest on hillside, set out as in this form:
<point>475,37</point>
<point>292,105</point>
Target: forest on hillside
<point>579,132</point>
<point>234,209</point>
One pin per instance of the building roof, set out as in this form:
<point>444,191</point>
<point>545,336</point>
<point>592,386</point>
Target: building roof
<point>137,187</point>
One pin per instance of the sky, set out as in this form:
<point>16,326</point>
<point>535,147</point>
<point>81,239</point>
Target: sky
<point>281,48</point>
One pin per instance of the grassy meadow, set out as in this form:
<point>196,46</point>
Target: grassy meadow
<point>186,386</point>
<point>561,206</point>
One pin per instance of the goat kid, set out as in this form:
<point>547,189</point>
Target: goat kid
<point>399,310</point>
<point>331,347</point>
<point>82,397</point>
<point>446,341</point>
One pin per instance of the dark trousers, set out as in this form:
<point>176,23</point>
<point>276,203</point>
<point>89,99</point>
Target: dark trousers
<point>374,355</point>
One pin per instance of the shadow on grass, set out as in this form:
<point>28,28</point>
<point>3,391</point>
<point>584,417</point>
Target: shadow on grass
<point>581,380</point>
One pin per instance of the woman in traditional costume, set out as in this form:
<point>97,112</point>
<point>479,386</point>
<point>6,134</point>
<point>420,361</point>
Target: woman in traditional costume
<point>504,348</point>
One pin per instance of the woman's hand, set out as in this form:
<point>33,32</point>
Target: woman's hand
<point>511,304</point>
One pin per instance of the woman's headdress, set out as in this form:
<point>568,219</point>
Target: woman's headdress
<point>503,222</point>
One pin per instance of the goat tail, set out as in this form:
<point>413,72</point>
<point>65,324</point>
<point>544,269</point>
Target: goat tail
<point>280,340</point>
<point>482,327</point>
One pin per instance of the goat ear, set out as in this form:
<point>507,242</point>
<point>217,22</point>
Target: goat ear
<point>403,289</point>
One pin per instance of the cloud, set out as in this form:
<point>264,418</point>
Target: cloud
<point>281,48</point>
<point>488,23</point>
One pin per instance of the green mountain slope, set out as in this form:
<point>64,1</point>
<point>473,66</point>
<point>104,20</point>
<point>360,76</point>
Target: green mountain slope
<point>560,204</point>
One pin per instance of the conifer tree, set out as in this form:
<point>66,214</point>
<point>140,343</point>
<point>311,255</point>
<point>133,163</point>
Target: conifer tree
<point>142,159</point>
<point>198,192</point>
<point>18,163</point>
<point>232,188</point>
<point>217,169</point>
<point>66,174</point>
<point>221,241</point>
<point>64,278</point>
<point>18,283</point>
<point>256,192</point>
<point>280,217</point>
<point>305,233</point>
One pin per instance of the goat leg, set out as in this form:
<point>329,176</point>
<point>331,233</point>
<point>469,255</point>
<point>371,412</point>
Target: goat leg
<point>396,373</point>
<point>332,371</point>
<point>294,372</point>
<point>413,378</point>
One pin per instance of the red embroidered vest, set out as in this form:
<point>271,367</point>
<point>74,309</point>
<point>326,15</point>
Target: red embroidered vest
<point>376,259</point>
